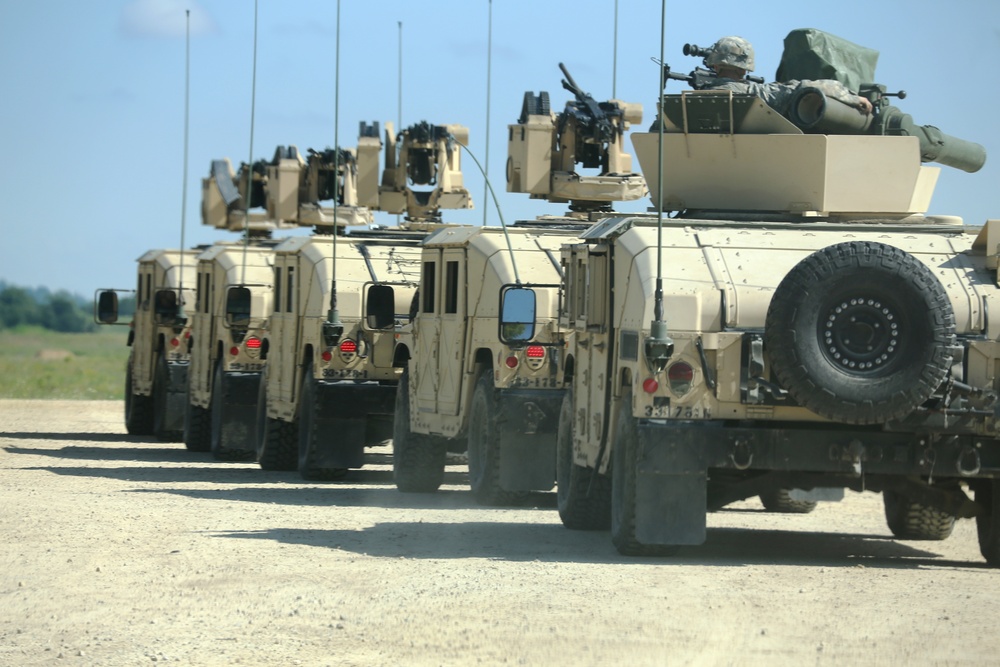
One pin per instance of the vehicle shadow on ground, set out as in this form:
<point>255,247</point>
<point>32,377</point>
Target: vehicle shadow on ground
<point>85,437</point>
<point>725,547</point>
<point>158,452</point>
<point>329,495</point>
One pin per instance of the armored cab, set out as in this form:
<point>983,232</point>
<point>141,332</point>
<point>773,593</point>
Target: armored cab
<point>330,382</point>
<point>465,388</point>
<point>234,292</point>
<point>800,323</point>
<point>157,368</point>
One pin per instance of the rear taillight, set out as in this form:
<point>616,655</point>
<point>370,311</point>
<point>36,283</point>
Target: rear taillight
<point>252,345</point>
<point>680,376</point>
<point>535,356</point>
<point>348,350</point>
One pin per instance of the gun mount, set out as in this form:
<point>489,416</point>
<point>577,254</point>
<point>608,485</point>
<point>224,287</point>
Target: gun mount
<point>293,192</point>
<point>424,155</point>
<point>544,148</point>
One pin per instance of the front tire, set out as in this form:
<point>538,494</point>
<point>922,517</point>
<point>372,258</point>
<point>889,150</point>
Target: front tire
<point>197,429</point>
<point>417,459</point>
<point>484,446</point>
<point>780,501</point>
<point>583,494</point>
<point>909,520</point>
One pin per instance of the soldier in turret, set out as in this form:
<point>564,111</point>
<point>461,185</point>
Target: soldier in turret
<point>732,58</point>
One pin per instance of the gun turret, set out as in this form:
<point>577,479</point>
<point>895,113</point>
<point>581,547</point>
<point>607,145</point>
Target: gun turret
<point>424,155</point>
<point>544,149</point>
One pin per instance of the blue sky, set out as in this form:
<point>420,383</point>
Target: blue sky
<point>92,110</point>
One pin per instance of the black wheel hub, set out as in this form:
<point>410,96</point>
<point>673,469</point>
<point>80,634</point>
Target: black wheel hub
<point>861,335</point>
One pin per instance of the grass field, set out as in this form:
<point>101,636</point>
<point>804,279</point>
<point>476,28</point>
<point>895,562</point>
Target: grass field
<point>34,363</point>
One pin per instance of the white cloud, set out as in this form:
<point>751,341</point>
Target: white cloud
<point>164,18</point>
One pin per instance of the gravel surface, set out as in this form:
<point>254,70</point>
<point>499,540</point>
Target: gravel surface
<point>124,551</point>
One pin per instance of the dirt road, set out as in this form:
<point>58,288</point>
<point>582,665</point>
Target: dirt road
<point>123,551</point>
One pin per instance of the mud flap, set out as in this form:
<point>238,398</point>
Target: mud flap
<point>239,412</point>
<point>342,420</point>
<point>177,397</point>
<point>671,490</point>
<point>529,426</point>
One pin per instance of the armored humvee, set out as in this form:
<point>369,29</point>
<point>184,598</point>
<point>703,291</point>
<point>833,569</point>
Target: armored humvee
<point>797,325</point>
<point>156,372</point>
<point>465,390</point>
<point>339,297</point>
<point>235,287</point>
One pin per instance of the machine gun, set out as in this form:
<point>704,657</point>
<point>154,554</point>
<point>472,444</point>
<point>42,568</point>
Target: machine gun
<point>544,148</point>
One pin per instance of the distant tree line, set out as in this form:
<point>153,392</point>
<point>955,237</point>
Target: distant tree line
<point>59,311</point>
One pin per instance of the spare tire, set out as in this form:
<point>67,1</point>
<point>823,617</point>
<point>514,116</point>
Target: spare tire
<point>860,332</point>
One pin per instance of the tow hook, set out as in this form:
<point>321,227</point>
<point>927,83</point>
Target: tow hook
<point>968,463</point>
<point>741,456</point>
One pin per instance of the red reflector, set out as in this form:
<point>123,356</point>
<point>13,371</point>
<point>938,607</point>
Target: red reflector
<point>650,385</point>
<point>174,342</point>
<point>535,352</point>
<point>187,334</point>
<point>680,372</point>
<point>348,346</point>
<point>326,355</point>
<point>252,343</point>
<point>511,362</point>
<point>234,350</point>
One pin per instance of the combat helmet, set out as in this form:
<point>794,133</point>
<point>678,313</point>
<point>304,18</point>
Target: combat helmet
<point>733,51</point>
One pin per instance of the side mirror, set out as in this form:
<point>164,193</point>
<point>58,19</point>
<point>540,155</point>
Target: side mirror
<point>380,307</point>
<point>165,307</point>
<point>107,307</point>
<point>517,314</point>
<point>238,307</point>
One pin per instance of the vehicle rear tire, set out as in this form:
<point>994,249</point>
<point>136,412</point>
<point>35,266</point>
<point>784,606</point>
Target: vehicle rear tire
<point>909,520</point>
<point>218,409</point>
<point>987,493</point>
<point>583,494</point>
<point>309,405</point>
<point>161,402</point>
<point>484,446</point>
<point>277,440</point>
<point>138,409</point>
<point>417,459</point>
<point>197,429</point>
<point>860,332</point>
<point>780,501</point>
<point>624,471</point>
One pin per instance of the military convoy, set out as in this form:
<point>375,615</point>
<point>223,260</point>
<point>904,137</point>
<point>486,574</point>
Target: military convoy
<point>789,331</point>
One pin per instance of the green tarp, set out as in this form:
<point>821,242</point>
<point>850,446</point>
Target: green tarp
<point>814,54</point>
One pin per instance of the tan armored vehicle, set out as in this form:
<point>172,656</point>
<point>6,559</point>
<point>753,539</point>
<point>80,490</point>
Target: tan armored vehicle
<point>804,327</point>
<point>328,393</point>
<point>463,388</point>
<point>156,373</point>
<point>235,289</point>
<point>330,384</point>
